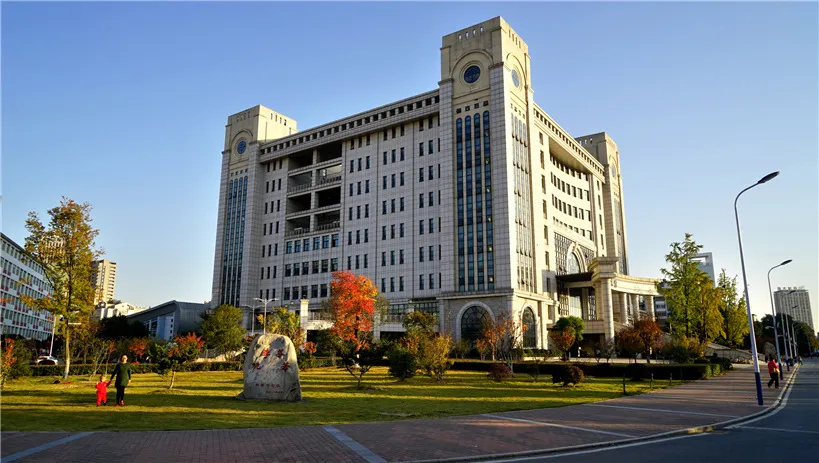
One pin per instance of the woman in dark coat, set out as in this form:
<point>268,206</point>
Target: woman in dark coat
<point>120,378</point>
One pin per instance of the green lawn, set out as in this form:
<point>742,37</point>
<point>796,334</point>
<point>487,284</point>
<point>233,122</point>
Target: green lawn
<point>206,400</point>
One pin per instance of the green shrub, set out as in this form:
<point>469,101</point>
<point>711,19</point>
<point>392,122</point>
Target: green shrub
<point>568,374</point>
<point>689,372</point>
<point>637,371</point>
<point>499,371</point>
<point>725,363</point>
<point>403,363</point>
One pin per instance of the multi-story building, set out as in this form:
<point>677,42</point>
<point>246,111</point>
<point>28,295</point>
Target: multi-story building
<point>22,276</point>
<point>170,319</point>
<point>794,302</point>
<point>104,277</point>
<point>468,201</point>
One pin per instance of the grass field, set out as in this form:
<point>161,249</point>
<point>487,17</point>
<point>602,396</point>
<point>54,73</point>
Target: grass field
<point>206,400</point>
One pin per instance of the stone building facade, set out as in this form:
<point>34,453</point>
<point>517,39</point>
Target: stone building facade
<point>468,201</point>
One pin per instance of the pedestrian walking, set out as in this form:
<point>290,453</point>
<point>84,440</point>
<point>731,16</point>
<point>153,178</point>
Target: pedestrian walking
<point>773,371</point>
<point>120,377</point>
<point>102,391</point>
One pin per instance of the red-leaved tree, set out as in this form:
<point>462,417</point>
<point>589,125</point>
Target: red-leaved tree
<point>355,302</point>
<point>649,336</point>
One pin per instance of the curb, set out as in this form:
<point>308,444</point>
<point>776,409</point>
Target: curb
<point>616,443</point>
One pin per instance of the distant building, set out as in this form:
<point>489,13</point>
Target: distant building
<point>705,262</point>
<point>22,275</point>
<point>796,303</point>
<point>171,318</point>
<point>116,309</point>
<point>104,274</point>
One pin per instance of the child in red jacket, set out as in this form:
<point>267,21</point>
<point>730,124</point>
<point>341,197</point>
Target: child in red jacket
<point>102,391</point>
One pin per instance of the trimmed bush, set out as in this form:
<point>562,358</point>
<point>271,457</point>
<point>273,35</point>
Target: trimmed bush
<point>725,363</point>
<point>568,374</point>
<point>686,372</point>
<point>403,363</point>
<point>499,371</point>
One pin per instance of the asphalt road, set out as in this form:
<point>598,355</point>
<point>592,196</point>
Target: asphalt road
<point>790,434</point>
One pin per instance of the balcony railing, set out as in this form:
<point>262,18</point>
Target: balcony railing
<point>319,228</point>
<point>320,315</point>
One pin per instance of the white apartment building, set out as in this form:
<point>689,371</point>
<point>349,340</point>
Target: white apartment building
<point>468,201</point>
<point>104,275</point>
<point>796,303</point>
<point>22,276</point>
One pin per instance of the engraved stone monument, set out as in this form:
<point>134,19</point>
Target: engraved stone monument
<point>271,370</point>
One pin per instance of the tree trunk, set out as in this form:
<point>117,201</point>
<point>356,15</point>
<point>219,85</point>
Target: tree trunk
<point>173,377</point>
<point>67,350</point>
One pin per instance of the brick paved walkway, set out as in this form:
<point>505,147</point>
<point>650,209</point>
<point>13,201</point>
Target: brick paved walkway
<point>695,404</point>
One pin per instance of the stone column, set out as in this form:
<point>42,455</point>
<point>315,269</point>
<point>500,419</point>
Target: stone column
<point>635,307</point>
<point>650,307</point>
<point>584,303</point>
<point>620,307</point>
<point>603,303</point>
<point>304,316</point>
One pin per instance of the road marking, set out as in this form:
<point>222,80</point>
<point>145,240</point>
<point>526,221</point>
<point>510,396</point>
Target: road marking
<point>603,449</point>
<point>660,410</point>
<point>359,449</point>
<point>783,402</point>
<point>675,397</point>
<point>777,429</point>
<point>43,447</point>
<point>543,423</point>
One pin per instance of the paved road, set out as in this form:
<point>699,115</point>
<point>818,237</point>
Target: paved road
<point>789,434</point>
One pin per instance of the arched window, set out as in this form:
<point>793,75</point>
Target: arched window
<point>473,322</point>
<point>573,264</point>
<point>530,333</point>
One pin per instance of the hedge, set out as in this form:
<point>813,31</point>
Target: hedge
<point>80,370</point>
<point>609,370</point>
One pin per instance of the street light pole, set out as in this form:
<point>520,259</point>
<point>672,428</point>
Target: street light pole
<point>745,283</point>
<point>776,332</point>
<point>793,333</point>
<point>264,319</point>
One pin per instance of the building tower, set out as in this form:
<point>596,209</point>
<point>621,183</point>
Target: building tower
<point>104,277</point>
<point>796,303</point>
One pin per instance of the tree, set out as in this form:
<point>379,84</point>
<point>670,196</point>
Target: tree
<point>433,356</point>
<point>15,360</point>
<point>649,336</point>
<point>287,323</point>
<point>65,247</point>
<point>683,285</point>
<point>604,349</point>
<point>562,341</point>
<point>708,321</point>
<point>504,335</point>
<point>169,356</point>
<point>354,303</point>
<point>627,342</point>
<point>222,329</point>
<point>734,313</point>
<point>682,349</point>
<point>575,326</point>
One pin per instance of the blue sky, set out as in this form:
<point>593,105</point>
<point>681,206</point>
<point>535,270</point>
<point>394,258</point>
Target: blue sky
<point>123,105</point>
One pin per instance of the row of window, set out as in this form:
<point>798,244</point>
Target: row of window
<point>358,188</point>
<point>358,212</point>
<point>303,268</point>
<point>233,240</point>
<point>300,292</point>
<point>269,183</point>
<point>430,279</point>
<point>268,207</point>
<point>572,211</point>
<point>353,161</point>
<point>318,242</point>
<point>358,123</point>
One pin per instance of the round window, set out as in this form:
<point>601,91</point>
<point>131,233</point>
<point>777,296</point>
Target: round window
<point>241,147</point>
<point>515,78</point>
<point>472,74</point>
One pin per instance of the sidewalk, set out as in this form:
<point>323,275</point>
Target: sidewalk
<point>466,438</point>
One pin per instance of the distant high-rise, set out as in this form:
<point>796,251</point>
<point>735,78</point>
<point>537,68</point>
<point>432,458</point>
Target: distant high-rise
<point>705,262</point>
<point>794,302</point>
<point>104,277</point>
<point>22,275</point>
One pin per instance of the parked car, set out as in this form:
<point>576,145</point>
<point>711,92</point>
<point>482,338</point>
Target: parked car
<point>48,360</point>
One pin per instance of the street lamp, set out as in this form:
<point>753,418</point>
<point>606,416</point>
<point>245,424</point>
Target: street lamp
<point>264,320</point>
<point>745,283</point>
<point>793,335</point>
<point>773,314</point>
<point>252,318</point>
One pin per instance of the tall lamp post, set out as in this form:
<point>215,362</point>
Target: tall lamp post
<point>745,283</point>
<point>264,320</point>
<point>795,350</point>
<point>773,314</point>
